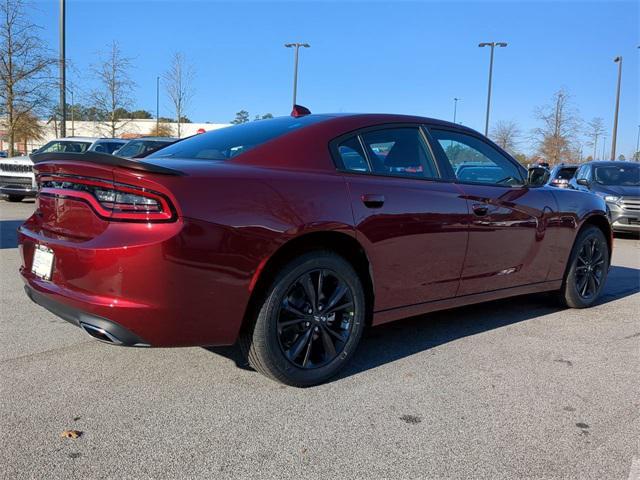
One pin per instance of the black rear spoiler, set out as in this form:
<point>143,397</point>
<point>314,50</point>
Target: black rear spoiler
<point>104,159</point>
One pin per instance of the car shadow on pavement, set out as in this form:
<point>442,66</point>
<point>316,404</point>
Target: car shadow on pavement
<point>9,233</point>
<point>393,341</point>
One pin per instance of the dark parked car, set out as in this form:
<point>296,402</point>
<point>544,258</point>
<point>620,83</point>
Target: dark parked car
<point>560,175</point>
<point>618,183</point>
<point>291,235</point>
<point>141,147</point>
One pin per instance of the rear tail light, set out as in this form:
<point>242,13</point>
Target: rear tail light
<point>111,201</point>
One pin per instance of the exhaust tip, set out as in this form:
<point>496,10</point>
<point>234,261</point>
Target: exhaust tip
<point>100,334</point>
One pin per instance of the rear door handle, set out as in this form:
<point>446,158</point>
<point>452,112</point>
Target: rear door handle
<point>372,200</point>
<point>480,209</point>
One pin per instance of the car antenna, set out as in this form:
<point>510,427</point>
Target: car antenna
<point>300,111</point>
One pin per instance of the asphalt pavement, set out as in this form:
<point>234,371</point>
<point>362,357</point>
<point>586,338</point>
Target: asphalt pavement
<point>517,388</point>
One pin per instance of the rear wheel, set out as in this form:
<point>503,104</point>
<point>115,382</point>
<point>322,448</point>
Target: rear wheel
<point>588,268</point>
<point>310,322</point>
<point>15,198</point>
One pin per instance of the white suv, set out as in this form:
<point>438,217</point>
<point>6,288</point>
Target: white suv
<point>17,180</point>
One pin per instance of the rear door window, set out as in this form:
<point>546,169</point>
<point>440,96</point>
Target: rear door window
<point>399,151</point>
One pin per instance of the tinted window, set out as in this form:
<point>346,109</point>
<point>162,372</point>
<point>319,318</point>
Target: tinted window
<point>475,161</point>
<point>399,151</point>
<point>623,175</point>
<point>140,147</point>
<point>352,156</point>
<point>66,146</point>
<point>106,147</point>
<point>566,173</point>
<point>227,143</point>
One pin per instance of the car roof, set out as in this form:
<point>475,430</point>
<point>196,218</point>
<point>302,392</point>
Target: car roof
<point>155,139</point>
<point>602,163</point>
<point>310,142</point>
<point>88,139</point>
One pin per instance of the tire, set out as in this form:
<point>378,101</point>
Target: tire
<point>287,341</point>
<point>14,198</point>
<point>587,269</point>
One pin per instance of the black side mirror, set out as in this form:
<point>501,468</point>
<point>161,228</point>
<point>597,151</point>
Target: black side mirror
<point>584,182</point>
<point>537,176</point>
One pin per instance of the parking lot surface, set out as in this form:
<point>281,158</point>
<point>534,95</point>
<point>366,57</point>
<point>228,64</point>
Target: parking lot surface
<point>511,389</point>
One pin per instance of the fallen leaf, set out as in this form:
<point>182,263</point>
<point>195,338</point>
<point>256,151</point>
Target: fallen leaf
<point>71,434</point>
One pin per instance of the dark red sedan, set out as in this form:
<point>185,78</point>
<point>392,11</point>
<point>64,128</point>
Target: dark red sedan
<point>291,235</point>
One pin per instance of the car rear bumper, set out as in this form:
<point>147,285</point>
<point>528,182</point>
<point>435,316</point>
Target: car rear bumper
<point>100,328</point>
<point>165,286</point>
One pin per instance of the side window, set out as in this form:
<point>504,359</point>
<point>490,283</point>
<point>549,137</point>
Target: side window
<point>352,156</point>
<point>399,151</point>
<point>581,171</point>
<point>475,161</point>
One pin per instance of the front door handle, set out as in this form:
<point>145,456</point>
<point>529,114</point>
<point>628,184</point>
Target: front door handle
<point>480,209</point>
<point>372,200</point>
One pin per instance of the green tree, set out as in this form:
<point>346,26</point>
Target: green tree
<point>241,117</point>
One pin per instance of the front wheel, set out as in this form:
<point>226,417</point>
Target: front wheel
<point>15,198</point>
<point>310,322</point>
<point>587,270</point>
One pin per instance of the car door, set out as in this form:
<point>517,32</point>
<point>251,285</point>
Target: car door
<point>410,221</point>
<point>507,219</point>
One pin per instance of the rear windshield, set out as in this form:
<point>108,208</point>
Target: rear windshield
<point>67,146</point>
<point>566,173</point>
<point>229,142</point>
<point>140,147</point>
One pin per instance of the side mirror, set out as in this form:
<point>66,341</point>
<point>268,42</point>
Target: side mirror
<point>584,182</point>
<point>537,176</point>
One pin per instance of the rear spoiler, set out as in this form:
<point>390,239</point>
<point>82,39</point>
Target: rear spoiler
<point>104,159</point>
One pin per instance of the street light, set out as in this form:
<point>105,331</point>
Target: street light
<point>158,105</point>
<point>63,100</point>
<point>617,60</point>
<point>637,152</point>
<point>455,108</point>
<point>73,108</point>
<point>492,45</point>
<point>295,68</point>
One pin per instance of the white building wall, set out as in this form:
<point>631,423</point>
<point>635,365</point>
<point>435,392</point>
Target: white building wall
<point>130,129</point>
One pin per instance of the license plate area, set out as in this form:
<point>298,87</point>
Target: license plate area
<point>42,265</point>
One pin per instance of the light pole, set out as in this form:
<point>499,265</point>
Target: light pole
<point>455,108</point>
<point>614,134</point>
<point>73,116</point>
<point>637,152</point>
<point>604,146</point>
<point>295,67</point>
<point>158,104</point>
<point>493,45</point>
<point>63,87</point>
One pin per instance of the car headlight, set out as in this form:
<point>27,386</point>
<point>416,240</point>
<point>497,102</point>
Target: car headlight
<point>611,198</point>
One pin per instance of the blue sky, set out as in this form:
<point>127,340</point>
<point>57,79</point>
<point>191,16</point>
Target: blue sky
<point>382,56</point>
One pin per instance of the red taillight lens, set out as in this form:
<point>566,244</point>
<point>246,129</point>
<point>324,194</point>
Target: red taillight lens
<point>111,201</point>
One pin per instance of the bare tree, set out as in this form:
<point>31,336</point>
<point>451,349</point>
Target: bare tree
<point>25,71</point>
<point>113,99</point>
<point>178,82</point>
<point>556,136</point>
<point>506,135</point>
<point>595,129</point>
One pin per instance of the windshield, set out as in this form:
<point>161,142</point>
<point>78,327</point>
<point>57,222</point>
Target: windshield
<point>229,142</point>
<point>623,175</point>
<point>566,173</point>
<point>67,146</point>
<point>139,147</point>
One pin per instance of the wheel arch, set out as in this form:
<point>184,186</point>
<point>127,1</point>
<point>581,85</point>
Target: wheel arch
<point>602,222</point>
<point>343,244</point>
